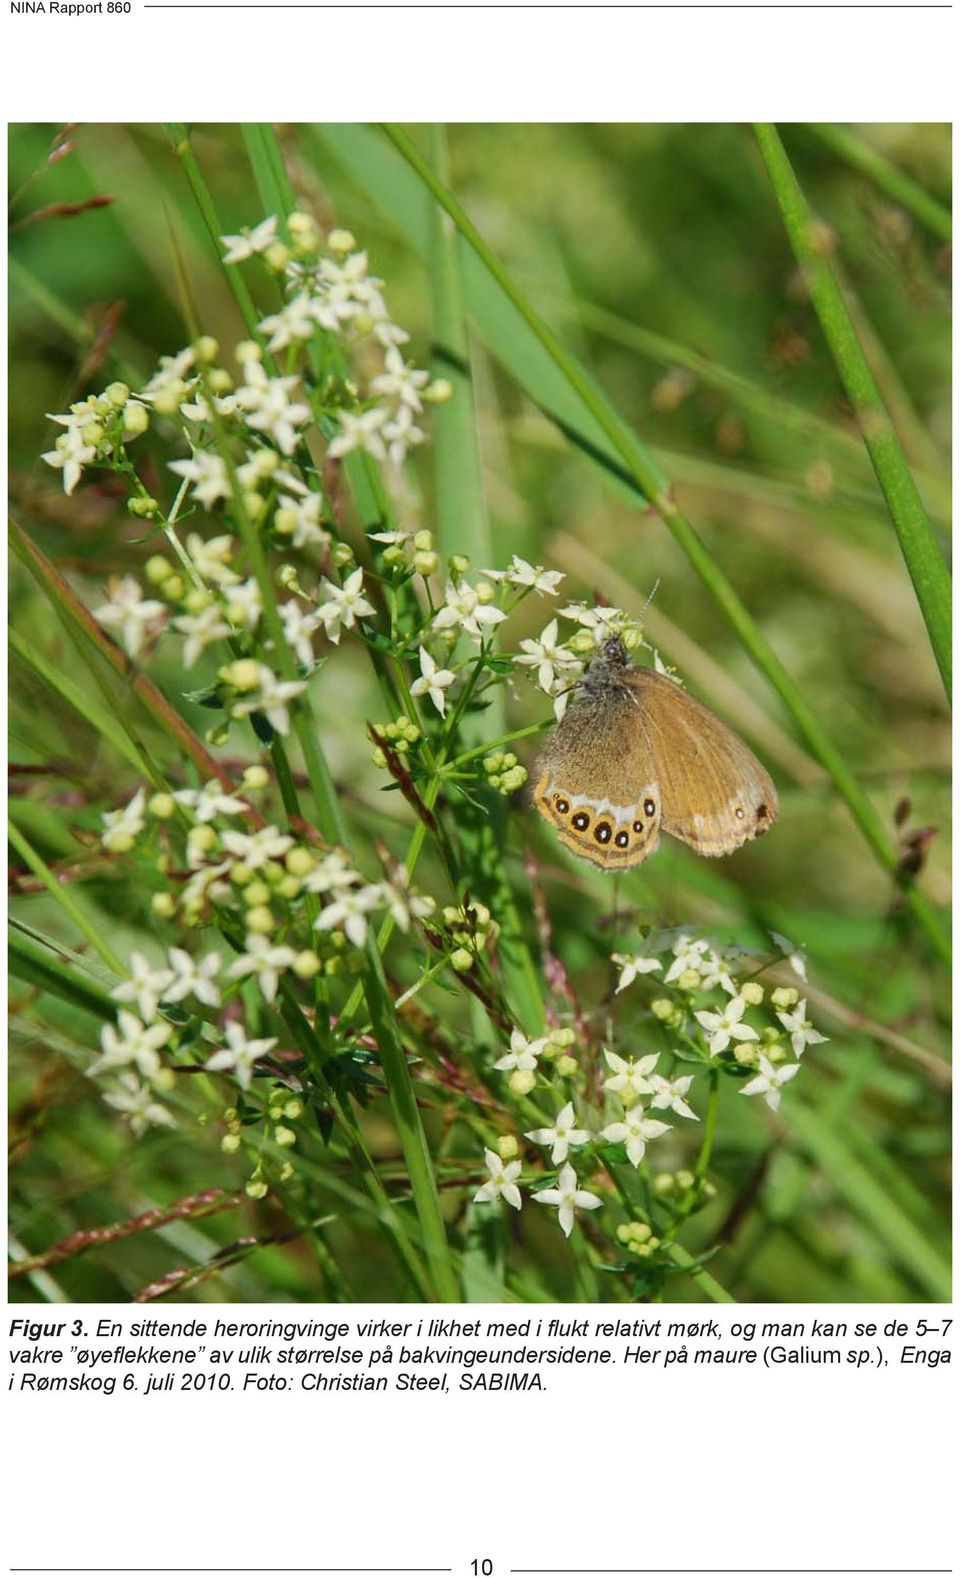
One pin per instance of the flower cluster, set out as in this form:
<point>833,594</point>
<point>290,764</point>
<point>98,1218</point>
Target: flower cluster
<point>715,1014</point>
<point>287,910</point>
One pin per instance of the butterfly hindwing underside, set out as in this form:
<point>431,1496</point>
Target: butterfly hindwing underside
<point>635,755</point>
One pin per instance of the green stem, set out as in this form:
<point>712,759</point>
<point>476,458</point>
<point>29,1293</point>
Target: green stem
<point>85,925</point>
<point>887,178</point>
<point>918,543</point>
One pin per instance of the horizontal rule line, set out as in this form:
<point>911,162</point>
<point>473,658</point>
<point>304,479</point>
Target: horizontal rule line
<point>668,5</point>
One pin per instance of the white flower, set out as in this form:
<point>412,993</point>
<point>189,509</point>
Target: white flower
<point>240,1055</point>
<point>344,605</point>
<point>295,322</point>
<point>726,1026</point>
<point>268,407</point>
<point>270,698</point>
<point>208,474</point>
<point>501,1184</point>
<point>633,1130</point>
<point>433,681</point>
<point>137,1043</point>
<point>211,557</point>
<point>802,1033</point>
<point>671,1093</point>
<point>264,959</point>
<point>402,434</point>
<point>601,621</point>
<point>171,370</point>
<point>146,986</point>
<point>135,616</point>
<point>249,242</point>
<point>568,1197</point>
<point>791,953</point>
<point>714,972</point>
<point>299,627</point>
<point>138,1105</point>
<point>359,430</point>
<point>769,1081</point>
<point>305,515</point>
<point>688,954</point>
<point>201,630</point>
<point>631,1077</point>
<point>245,604</point>
<point>349,912</point>
<point>255,849</point>
<point>334,873</point>
<point>404,903</point>
<point>70,455</point>
<point>124,825</point>
<point>462,607</point>
<point>632,965</point>
<point>523,1054</point>
<point>562,1135</point>
<point>400,382</point>
<point>210,801</point>
<point>193,978</point>
<point>547,656</point>
<point>520,573</point>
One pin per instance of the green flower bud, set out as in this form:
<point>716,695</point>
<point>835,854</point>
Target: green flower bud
<point>426,563</point>
<point>462,959</point>
<point>507,1147</point>
<point>785,997</point>
<point>255,777</point>
<point>522,1081</point>
<point>752,992</point>
<point>306,964</point>
<point>257,893</point>
<point>162,806</point>
<point>206,349</point>
<point>163,905</point>
<point>438,391</point>
<point>230,1143</point>
<point>117,394</point>
<point>260,920</point>
<point>256,1188</point>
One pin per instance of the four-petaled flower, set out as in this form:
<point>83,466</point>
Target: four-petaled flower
<point>548,656</point>
<point>532,577</point>
<point>634,1130</point>
<point>671,1093</point>
<point>568,1197</point>
<point>249,242</point>
<point>802,1033</point>
<point>359,430</point>
<point>562,1135</point>
<point>210,801</point>
<point>123,826</point>
<point>501,1184</point>
<point>240,1055</point>
<point>631,1077</point>
<point>688,954</point>
<point>146,986</point>
<point>349,912</point>
<point>191,977</point>
<point>343,605</point>
<point>632,965</point>
<point>255,849</point>
<point>769,1081</point>
<point>134,615</point>
<point>462,607</point>
<point>208,474</point>
<point>138,1105</point>
<point>136,1043</point>
<point>433,681</point>
<point>264,959</point>
<point>268,407</point>
<point>726,1026</point>
<point>270,698</point>
<point>523,1054</point>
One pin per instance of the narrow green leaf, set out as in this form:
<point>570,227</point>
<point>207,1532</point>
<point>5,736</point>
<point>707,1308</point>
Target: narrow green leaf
<point>924,561</point>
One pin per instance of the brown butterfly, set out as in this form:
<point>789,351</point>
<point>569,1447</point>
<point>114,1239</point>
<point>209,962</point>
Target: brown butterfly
<point>634,756</point>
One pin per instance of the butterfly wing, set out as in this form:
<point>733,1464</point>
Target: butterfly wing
<point>597,784</point>
<point>716,795</point>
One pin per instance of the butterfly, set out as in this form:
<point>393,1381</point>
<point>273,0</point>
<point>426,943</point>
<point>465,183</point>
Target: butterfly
<point>635,756</point>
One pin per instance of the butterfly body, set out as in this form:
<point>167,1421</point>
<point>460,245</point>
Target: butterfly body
<point>636,756</point>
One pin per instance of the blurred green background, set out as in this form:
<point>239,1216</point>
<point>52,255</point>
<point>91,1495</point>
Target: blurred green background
<point>658,254</point>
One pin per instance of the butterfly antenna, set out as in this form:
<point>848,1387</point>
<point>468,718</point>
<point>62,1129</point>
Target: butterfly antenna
<point>656,587</point>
